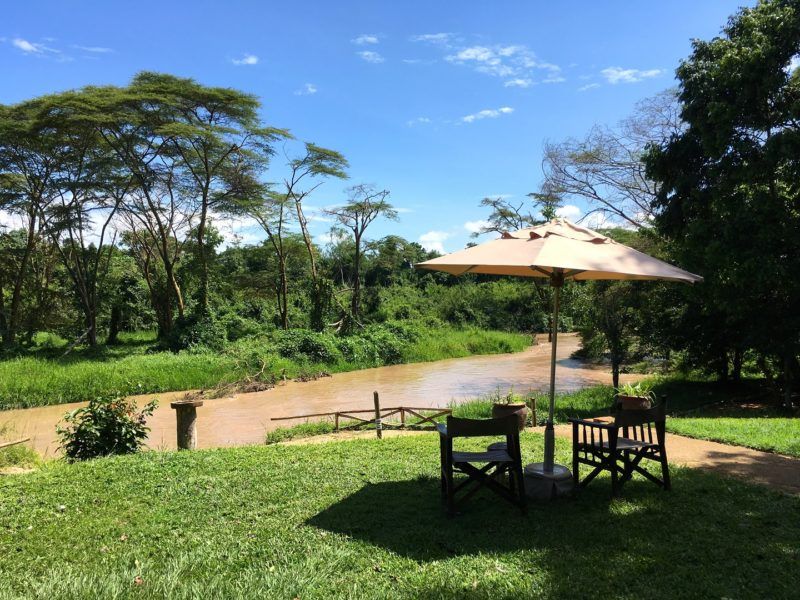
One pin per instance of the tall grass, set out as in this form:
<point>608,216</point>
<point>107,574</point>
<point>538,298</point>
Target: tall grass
<point>45,377</point>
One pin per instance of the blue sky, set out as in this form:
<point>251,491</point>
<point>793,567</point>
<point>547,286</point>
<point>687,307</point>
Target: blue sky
<point>442,103</point>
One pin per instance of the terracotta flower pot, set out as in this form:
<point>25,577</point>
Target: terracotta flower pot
<point>634,402</point>
<point>515,408</point>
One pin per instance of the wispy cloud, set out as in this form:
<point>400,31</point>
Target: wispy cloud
<point>94,49</point>
<point>307,90</point>
<point>441,38</point>
<point>588,86</point>
<point>488,113</point>
<point>616,75</point>
<point>516,62</point>
<point>418,121</point>
<point>519,82</point>
<point>30,47</point>
<point>371,57</point>
<point>433,241</point>
<point>247,59</point>
<point>366,38</point>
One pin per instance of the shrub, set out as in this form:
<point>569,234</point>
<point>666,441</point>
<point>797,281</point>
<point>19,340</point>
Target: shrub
<point>106,426</point>
<point>308,345</point>
<point>197,333</point>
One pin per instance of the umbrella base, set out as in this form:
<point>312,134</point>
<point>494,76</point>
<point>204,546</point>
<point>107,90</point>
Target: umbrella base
<point>547,485</point>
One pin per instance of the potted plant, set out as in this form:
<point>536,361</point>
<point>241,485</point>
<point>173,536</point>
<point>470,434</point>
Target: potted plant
<point>510,404</point>
<point>639,396</point>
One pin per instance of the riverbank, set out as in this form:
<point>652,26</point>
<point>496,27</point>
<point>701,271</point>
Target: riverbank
<point>45,377</point>
<point>245,418</point>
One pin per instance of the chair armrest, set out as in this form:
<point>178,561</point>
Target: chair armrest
<point>590,423</point>
<point>442,429</point>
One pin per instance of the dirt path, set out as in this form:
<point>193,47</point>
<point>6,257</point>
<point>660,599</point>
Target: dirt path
<point>773,470</point>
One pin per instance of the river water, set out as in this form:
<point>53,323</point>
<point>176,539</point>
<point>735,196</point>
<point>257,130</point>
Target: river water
<point>245,418</point>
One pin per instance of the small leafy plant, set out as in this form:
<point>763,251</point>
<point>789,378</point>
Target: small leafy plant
<point>105,426</point>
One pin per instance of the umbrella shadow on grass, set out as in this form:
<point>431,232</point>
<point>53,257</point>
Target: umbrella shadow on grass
<point>690,537</point>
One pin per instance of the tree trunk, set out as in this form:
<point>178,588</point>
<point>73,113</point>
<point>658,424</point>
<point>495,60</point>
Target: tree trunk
<point>737,365</point>
<point>355,304</point>
<point>114,325</point>
<point>12,321</point>
<point>615,373</point>
<point>283,303</point>
<point>202,294</point>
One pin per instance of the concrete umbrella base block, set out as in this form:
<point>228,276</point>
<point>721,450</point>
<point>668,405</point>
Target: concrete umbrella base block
<point>543,485</point>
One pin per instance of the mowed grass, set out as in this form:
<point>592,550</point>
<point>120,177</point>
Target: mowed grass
<point>46,377</point>
<point>362,519</point>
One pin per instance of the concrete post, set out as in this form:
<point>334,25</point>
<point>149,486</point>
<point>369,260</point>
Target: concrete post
<point>186,413</point>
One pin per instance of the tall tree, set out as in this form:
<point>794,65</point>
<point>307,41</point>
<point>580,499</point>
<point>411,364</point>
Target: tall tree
<point>365,204</point>
<point>727,184</point>
<point>217,134</point>
<point>31,153</point>
<point>606,167</point>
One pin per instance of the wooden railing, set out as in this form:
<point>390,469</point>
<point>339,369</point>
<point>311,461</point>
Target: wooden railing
<point>379,417</point>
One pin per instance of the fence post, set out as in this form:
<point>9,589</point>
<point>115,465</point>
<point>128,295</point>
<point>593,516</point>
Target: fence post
<point>402,417</point>
<point>378,424</point>
<point>186,413</point>
<point>336,421</point>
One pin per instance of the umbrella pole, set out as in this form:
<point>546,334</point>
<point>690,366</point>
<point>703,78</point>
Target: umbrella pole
<point>549,433</point>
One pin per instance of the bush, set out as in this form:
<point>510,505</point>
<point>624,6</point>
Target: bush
<point>106,426</point>
<point>304,344</point>
<point>197,333</point>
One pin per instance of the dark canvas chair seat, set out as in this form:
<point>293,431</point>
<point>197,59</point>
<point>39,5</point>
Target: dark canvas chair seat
<point>619,446</point>
<point>482,469</point>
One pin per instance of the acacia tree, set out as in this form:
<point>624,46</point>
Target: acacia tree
<point>365,204</point>
<point>31,153</point>
<point>728,196</point>
<point>306,174</point>
<point>222,146</point>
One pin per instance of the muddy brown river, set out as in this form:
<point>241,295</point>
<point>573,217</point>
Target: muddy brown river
<point>245,418</point>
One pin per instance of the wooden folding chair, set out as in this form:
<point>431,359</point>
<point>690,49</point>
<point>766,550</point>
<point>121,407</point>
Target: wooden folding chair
<point>619,446</point>
<point>494,462</point>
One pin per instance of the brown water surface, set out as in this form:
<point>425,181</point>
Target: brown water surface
<point>245,418</point>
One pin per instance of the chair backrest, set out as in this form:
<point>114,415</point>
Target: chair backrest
<point>508,425</point>
<point>630,417</point>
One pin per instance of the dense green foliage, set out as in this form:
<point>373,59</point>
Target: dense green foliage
<point>103,427</point>
<point>728,200</point>
<point>362,519</point>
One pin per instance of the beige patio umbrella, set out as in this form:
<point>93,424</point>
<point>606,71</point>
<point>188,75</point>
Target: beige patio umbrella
<point>557,250</point>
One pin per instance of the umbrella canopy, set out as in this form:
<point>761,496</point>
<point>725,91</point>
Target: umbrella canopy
<point>557,247</point>
<point>557,250</point>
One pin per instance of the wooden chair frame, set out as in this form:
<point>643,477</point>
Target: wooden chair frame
<point>495,463</point>
<point>620,446</point>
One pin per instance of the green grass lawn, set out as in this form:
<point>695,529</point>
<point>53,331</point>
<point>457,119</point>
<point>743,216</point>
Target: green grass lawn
<point>45,377</point>
<point>362,519</point>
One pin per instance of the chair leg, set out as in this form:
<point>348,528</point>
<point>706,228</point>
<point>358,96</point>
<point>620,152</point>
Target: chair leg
<point>519,477</point>
<point>665,469</point>
<point>614,476</point>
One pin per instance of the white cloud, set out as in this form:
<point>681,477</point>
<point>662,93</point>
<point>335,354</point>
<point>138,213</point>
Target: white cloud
<point>93,49</point>
<point>418,121</point>
<point>366,38</point>
<point>433,38</point>
<point>29,47</point>
<point>307,90</point>
<point>488,113</point>
<point>434,240</point>
<point>588,86</point>
<point>476,226</point>
<point>371,57</point>
<point>554,79</point>
<point>330,238</point>
<point>616,75</point>
<point>247,59</point>
<point>793,64</point>
<point>519,82</point>
<point>515,61</point>
<point>569,211</point>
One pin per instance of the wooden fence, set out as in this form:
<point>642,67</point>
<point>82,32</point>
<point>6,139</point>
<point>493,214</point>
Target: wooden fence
<point>379,417</point>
